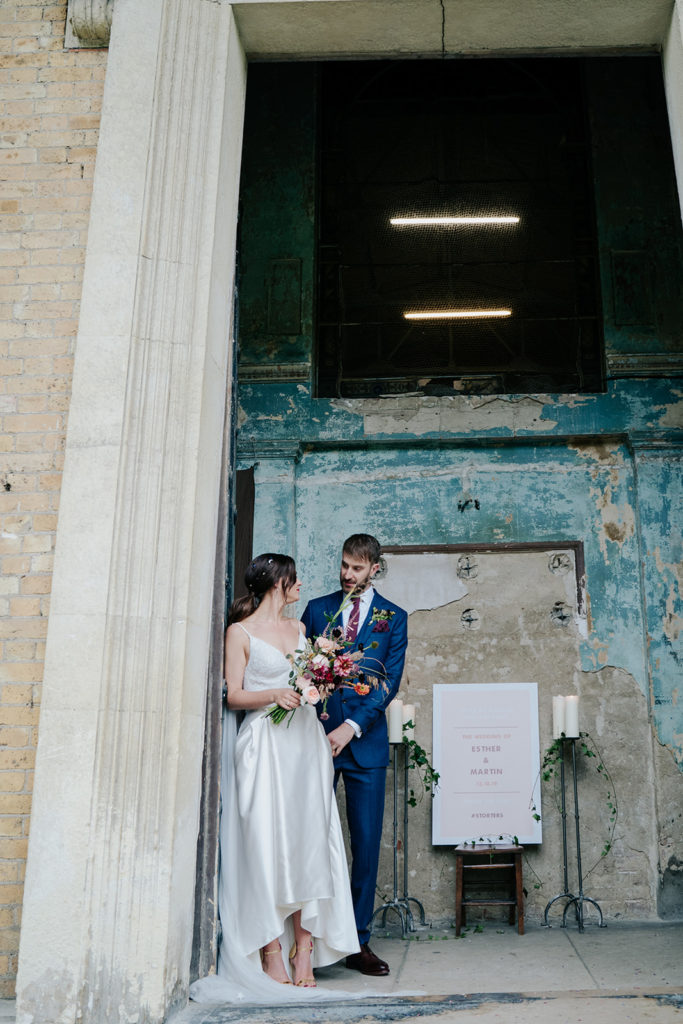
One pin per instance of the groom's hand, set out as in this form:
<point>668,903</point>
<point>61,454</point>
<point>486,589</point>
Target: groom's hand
<point>339,737</point>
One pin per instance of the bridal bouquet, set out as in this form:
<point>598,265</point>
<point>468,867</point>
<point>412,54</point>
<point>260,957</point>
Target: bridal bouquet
<point>324,665</point>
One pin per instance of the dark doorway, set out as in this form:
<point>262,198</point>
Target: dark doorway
<point>457,242</point>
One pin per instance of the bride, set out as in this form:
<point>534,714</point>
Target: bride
<point>283,880</point>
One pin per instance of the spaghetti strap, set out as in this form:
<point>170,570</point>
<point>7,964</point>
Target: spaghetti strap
<point>245,630</point>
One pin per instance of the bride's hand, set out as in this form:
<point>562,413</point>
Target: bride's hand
<point>287,698</point>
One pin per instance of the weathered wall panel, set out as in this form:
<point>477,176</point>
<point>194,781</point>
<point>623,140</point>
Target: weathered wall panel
<point>660,505</point>
<point>523,493</point>
<point>516,638</point>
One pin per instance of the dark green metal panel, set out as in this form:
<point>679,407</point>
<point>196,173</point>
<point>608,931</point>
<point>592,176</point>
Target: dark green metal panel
<point>284,297</point>
<point>632,288</point>
<point>278,215</point>
<point>639,225</point>
<point>636,207</point>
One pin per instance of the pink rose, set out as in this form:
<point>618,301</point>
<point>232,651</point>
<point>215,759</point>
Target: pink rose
<point>324,644</point>
<point>318,663</point>
<point>310,694</point>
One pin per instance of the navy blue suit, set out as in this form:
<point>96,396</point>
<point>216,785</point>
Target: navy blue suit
<point>363,762</point>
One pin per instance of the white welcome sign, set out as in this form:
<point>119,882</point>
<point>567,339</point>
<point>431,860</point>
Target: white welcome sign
<point>486,750</point>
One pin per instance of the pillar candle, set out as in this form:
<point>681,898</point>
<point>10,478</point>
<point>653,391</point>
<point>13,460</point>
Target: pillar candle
<point>571,716</point>
<point>395,713</point>
<point>409,716</point>
<point>558,717</point>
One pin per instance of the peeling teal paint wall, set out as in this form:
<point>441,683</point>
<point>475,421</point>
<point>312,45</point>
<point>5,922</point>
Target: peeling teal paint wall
<point>525,493</point>
<point>660,507</point>
<point>287,412</point>
<point>327,468</point>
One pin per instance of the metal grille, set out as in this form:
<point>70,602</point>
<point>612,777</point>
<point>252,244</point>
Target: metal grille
<point>503,307</point>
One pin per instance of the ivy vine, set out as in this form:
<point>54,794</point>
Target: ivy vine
<point>550,767</point>
<point>416,757</point>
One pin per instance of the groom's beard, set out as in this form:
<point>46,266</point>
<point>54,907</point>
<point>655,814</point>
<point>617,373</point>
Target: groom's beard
<point>360,586</point>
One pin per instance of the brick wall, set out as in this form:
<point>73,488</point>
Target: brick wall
<point>49,118</point>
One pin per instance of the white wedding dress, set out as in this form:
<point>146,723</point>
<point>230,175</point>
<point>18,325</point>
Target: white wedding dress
<point>281,846</point>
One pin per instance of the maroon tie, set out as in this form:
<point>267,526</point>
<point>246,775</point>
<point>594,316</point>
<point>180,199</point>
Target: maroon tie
<point>354,619</point>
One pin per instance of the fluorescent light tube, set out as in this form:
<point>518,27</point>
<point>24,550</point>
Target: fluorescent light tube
<point>446,221</point>
<point>457,314</point>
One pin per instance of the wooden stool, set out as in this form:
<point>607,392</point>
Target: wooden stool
<point>489,864</point>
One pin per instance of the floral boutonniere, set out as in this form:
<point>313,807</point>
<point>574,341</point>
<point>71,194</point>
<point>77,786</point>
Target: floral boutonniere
<point>381,617</point>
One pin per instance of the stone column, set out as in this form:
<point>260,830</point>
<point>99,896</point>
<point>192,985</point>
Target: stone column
<point>109,897</point>
<point>673,83</point>
<point>88,22</point>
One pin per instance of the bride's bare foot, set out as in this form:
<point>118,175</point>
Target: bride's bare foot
<point>300,959</point>
<point>271,961</point>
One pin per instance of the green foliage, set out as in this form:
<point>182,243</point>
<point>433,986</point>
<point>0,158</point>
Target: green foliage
<point>551,761</point>
<point>416,757</point>
<point>550,767</point>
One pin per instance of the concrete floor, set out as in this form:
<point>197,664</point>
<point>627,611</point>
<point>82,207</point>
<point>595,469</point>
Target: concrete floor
<point>622,974</point>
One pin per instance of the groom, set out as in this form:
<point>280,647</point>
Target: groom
<point>356,727</point>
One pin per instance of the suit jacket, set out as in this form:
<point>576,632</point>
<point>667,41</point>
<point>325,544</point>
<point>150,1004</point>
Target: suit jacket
<point>371,749</point>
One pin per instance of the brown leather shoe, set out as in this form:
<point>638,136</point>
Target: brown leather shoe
<point>367,963</point>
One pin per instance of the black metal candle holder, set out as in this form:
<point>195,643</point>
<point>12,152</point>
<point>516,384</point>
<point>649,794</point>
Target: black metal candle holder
<point>577,901</point>
<point>401,904</point>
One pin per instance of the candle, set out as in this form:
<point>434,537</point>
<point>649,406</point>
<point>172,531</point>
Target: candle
<point>395,712</point>
<point>558,717</point>
<point>409,716</point>
<point>571,716</point>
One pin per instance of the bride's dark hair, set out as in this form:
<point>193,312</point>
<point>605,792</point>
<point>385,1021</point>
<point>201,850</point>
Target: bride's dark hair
<point>264,573</point>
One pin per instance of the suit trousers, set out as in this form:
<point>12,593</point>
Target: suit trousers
<point>364,788</point>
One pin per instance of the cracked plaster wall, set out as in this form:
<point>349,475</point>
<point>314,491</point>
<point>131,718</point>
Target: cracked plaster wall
<point>524,493</point>
<point>516,639</point>
<point>518,492</point>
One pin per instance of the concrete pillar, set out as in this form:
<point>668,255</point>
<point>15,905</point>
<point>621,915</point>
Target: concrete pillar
<point>659,477</point>
<point>673,83</point>
<point>109,896</point>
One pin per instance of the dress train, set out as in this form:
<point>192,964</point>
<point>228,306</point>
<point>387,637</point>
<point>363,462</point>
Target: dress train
<point>281,848</point>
